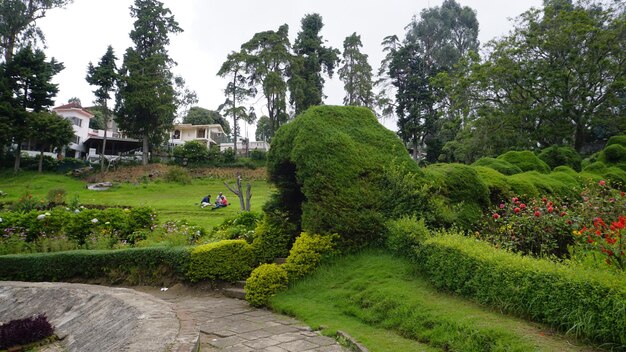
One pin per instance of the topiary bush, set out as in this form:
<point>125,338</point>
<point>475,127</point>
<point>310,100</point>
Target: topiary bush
<point>329,164</point>
<point>619,140</point>
<point>274,234</point>
<point>497,183</point>
<point>307,252</point>
<point>556,156</point>
<point>264,282</point>
<point>502,166</point>
<point>526,161</point>
<point>615,153</point>
<point>191,151</point>
<point>228,260</point>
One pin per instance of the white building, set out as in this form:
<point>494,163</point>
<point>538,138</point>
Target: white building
<point>80,120</point>
<point>208,134</point>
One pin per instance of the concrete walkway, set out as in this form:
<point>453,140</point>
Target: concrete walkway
<point>180,319</point>
<point>227,324</point>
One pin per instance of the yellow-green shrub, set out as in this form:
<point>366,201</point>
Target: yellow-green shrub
<point>307,252</point>
<point>264,282</point>
<point>229,260</point>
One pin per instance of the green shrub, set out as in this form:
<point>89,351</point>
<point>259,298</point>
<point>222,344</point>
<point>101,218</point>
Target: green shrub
<point>273,235</point>
<point>585,303</point>
<point>556,156</point>
<point>404,235</point>
<point>133,266</point>
<point>565,169</point>
<point>228,260</point>
<point>239,227</point>
<point>461,190</point>
<point>307,252</point>
<point>502,166</point>
<point>56,196</point>
<point>257,154</point>
<point>525,160</point>
<point>615,153</point>
<point>496,182</point>
<point>617,140</point>
<point>176,174</point>
<point>329,166</point>
<point>264,282</point>
<point>191,151</point>
<point>595,167</point>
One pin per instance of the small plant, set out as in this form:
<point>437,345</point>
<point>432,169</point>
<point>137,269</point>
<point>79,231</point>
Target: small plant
<point>264,282</point>
<point>3,194</point>
<point>177,174</point>
<point>26,203</point>
<point>25,331</point>
<point>56,196</point>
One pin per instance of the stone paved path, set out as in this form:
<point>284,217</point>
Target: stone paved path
<point>227,324</point>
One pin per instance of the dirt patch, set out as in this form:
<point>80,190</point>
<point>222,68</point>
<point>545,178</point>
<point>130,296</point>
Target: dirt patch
<point>153,172</point>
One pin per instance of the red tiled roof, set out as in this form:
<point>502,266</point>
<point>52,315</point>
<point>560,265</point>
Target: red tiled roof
<point>72,105</point>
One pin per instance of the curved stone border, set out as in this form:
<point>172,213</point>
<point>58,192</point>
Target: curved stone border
<point>99,318</point>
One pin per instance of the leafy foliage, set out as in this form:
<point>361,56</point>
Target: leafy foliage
<point>264,282</point>
<point>525,160</point>
<point>24,331</point>
<point>556,156</point>
<point>229,260</point>
<point>307,252</point>
<point>502,166</point>
<point>356,74</point>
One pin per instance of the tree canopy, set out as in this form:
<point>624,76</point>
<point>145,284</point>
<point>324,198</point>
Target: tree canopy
<point>356,74</point>
<point>201,116</point>
<point>146,99</point>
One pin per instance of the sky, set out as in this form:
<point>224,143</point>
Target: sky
<point>81,32</point>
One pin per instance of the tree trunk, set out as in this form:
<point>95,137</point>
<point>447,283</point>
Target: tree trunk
<point>144,154</point>
<point>248,196</point>
<point>104,140</point>
<point>18,155</point>
<point>40,169</point>
<point>579,137</point>
<point>235,116</point>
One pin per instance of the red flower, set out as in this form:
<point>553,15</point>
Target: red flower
<point>501,205</point>
<point>544,199</point>
<point>602,183</point>
<point>537,214</point>
<point>496,216</point>
<point>611,240</point>
<point>589,239</point>
<point>515,199</point>
<point>563,214</point>
<point>523,206</point>
<point>517,210</point>
<point>550,209</point>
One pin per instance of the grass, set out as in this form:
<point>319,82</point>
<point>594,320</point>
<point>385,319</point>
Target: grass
<point>172,201</point>
<point>381,301</point>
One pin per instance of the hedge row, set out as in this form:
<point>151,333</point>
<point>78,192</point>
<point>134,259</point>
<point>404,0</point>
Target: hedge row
<point>591,305</point>
<point>225,260</point>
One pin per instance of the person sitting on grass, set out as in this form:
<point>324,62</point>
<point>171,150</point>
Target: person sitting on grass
<point>220,201</point>
<point>206,201</point>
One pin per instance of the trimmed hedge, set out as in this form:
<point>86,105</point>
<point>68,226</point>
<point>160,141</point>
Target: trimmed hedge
<point>502,166</point>
<point>558,156</point>
<point>526,161</point>
<point>229,260</point>
<point>585,303</point>
<point>307,252</point>
<point>135,265</point>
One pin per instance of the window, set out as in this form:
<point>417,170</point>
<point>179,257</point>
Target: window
<point>76,121</point>
<point>176,134</point>
<point>201,133</point>
<point>76,139</point>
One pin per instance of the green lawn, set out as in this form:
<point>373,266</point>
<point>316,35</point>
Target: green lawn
<point>172,201</point>
<point>384,303</point>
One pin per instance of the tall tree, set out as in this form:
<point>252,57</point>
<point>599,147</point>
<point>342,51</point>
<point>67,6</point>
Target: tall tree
<point>146,98</point>
<point>386,92</point>
<point>264,131</point>
<point>558,78</point>
<point>306,83</point>
<point>413,97</point>
<point>52,131</point>
<point>237,90</point>
<point>201,116</point>
<point>18,22</point>
<point>29,78</point>
<point>268,56</point>
<point>104,76</point>
<point>356,73</point>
